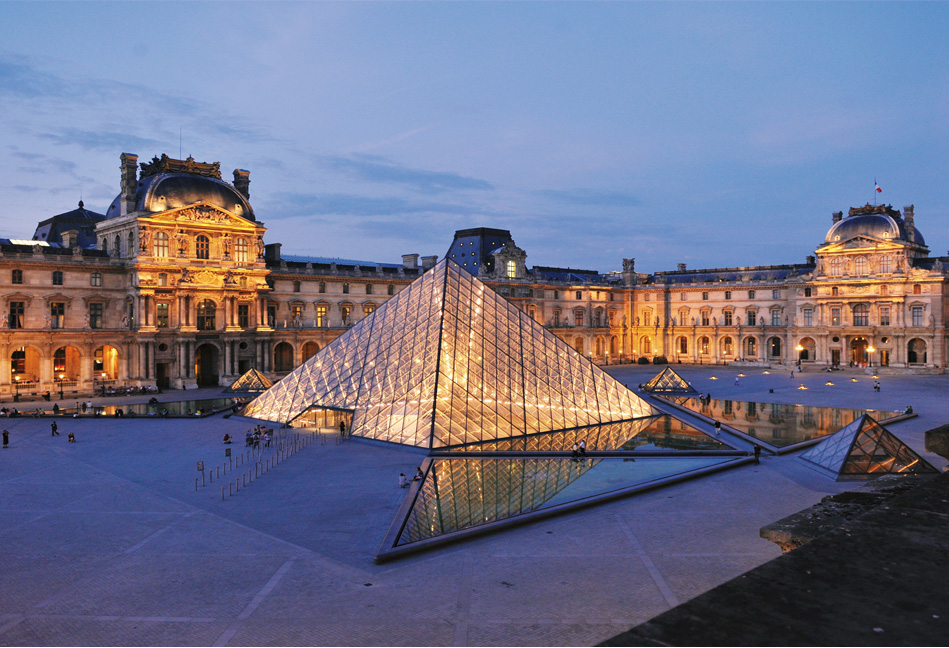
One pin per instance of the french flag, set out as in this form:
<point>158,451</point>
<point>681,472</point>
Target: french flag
<point>876,187</point>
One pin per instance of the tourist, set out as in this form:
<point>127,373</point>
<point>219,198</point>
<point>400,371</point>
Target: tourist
<point>6,438</point>
<point>576,450</point>
<point>54,429</point>
<point>342,429</point>
<point>227,438</point>
<point>736,381</point>
<point>583,448</point>
<point>71,437</point>
<point>757,454</point>
<point>419,475</point>
<point>403,481</point>
<point>718,428</point>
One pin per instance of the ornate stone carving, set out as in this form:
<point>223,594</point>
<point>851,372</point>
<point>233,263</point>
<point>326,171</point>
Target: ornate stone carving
<point>202,215</point>
<point>165,164</point>
<point>144,236</point>
<point>206,278</point>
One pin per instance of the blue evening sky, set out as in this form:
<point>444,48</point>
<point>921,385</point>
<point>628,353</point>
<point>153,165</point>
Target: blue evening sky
<point>714,134</point>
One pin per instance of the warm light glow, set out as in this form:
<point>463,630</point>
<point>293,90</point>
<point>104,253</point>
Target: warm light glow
<point>870,349</point>
<point>766,372</point>
<point>714,378</point>
<point>799,348</point>
<point>17,378</point>
<point>802,387</point>
<point>853,380</point>
<point>741,375</point>
<point>829,383</point>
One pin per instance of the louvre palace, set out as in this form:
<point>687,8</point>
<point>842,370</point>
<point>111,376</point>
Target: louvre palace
<point>175,286</point>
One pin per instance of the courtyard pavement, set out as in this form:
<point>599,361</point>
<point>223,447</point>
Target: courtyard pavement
<point>107,542</point>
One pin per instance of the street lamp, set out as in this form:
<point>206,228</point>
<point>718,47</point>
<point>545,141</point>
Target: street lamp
<point>800,349</point>
<point>870,351</point>
<point>104,375</point>
<point>16,396</point>
<point>60,386</point>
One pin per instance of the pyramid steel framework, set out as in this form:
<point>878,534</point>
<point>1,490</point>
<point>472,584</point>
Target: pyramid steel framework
<point>668,381</point>
<point>251,382</point>
<point>445,362</point>
<point>864,448</point>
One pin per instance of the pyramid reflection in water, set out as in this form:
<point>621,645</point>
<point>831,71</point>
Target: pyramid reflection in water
<point>448,362</point>
<point>864,449</point>
<point>250,383</point>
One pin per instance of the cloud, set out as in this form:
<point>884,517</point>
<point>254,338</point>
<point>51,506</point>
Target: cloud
<point>373,168</point>
<point>103,140</point>
<point>592,197</point>
<point>289,205</point>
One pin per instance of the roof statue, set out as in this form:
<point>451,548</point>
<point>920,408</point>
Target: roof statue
<point>251,382</point>
<point>864,449</point>
<point>668,381</point>
<point>448,361</point>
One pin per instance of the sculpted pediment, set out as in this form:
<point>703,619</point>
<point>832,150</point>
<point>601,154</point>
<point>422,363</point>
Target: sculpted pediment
<point>203,214</point>
<point>860,242</point>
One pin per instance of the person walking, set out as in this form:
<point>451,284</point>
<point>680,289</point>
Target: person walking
<point>342,429</point>
<point>718,428</point>
<point>757,454</point>
<point>576,451</point>
<point>583,448</point>
<point>54,430</point>
<point>6,438</point>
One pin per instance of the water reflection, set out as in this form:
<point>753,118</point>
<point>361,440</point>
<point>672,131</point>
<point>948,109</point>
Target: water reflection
<point>778,424</point>
<point>459,494</point>
<point>651,433</point>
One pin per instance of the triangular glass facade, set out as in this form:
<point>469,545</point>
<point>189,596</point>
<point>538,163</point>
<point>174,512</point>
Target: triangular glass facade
<point>865,448</point>
<point>251,382</point>
<point>668,381</point>
<point>447,362</point>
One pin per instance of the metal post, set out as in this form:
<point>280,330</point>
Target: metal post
<point>222,493</point>
<point>195,484</point>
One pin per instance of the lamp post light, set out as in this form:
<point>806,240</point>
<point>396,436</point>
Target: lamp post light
<point>800,349</point>
<point>16,396</point>
<point>870,351</point>
<point>104,376</point>
<point>61,386</point>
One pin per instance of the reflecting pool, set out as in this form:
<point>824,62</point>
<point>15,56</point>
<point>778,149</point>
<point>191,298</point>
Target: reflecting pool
<point>777,424</point>
<point>196,408</point>
<point>462,494</point>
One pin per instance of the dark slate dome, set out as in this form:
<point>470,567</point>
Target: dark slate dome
<point>164,191</point>
<point>887,225</point>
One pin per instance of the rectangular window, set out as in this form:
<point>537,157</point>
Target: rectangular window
<point>775,318</point>
<point>775,294</point>
<point>705,320</point>
<point>322,286</point>
<point>322,316</point>
<point>391,290</point>
<point>556,318</point>
<point>296,311</point>
<point>727,315</point>
<point>16,314</point>
<point>861,316</point>
<point>57,315</point>
<point>17,277</point>
<point>272,315</point>
<point>681,296</point>
<point>95,279</point>
<point>578,318</point>
<point>345,288</point>
<point>751,294</point>
<point>95,316</point>
<point>296,286</point>
<point>835,317</point>
<point>57,278</point>
<point>884,315</point>
<point>705,296</point>
<point>346,312</point>
<point>808,317</point>
<point>161,315</point>
<point>240,251</point>
<point>243,315</point>
<point>368,289</point>
<point>752,317</point>
<point>579,294</point>
<point>807,292</point>
<point>917,315</point>
<point>646,297</point>
<point>885,264</point>
<point>728,294</point>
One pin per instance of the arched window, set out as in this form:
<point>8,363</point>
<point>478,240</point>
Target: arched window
<point>104,244</point>
<point>599,346</point>
<point>703,345</point>
<point>240,250</point>
<point>860,266</point>
<point>309,350</point>
<point>202,247</point>
<point>774,345</point>
<point>161,245</point>
<point>118,246</point>
<point>727,348</point>
<point>836,267</point>
<point>512,270</point>
<point>683,344</point>
<point>578,344</point>
<point>861,315</point>
<point>283,357</point>
<point>206,310</point>
<point>131,244</point>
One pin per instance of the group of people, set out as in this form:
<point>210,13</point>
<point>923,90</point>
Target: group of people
<point>579,449</point>
<point>128,391</point>
<point>54,431</point>
<point>253,437</point>
<point>404,481</point>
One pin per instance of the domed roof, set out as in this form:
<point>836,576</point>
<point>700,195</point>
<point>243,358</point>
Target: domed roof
<point>880,224</point>
<point>164,191</point>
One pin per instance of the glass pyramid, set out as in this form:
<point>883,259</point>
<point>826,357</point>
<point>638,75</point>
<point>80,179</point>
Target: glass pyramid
<point>251,382</point>
<point>446,362</point>
<point>864,448</point>
<point>668,381</point>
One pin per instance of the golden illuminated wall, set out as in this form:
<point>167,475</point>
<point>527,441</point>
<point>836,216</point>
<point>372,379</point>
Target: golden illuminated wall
<point>447,361</point>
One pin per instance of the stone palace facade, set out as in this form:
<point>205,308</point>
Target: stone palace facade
<point>175,286</point>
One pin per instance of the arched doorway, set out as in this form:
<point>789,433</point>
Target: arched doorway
<point>24,364</point>
<point>66,363</point>
<point>598,346</point>
<point>206,358</point>
<point>916,351</point>
<point>105,363</point>
<point>858,351</point>
<point>751,347</point>
<point>310,349</point>
<point>727,347</point>
<point>808,352</point>
<point>283,357</point>
<point>645,346</point>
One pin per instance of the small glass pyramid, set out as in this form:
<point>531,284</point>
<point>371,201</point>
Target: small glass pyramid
<point>864,449</point>
<point>446,362</point>
<point>251,382</point>
<point>668,381</point>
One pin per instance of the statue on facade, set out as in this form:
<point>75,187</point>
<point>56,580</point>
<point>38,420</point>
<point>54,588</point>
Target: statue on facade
<point>144,236</point>
<point>185,276</point>
<point>125,321</point>
<point>226,245</point>
<point>260,247</point>
<point>182,240</point>
<point>229,277</point>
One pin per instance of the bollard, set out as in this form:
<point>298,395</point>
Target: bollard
<point>257,469</point>
<point>218,472</point>
<point>245,480</point>
<point>231,462</point>
<point>237,485</point>
<point>211,477</point>
<point>222,493</point>
<point>195,484</point>
<point>229,491</point>
<point>202,479</point>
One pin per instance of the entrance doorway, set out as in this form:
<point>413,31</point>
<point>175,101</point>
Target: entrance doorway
<point>325,419</point>
<point>206,359</point>
<point>835,357</point>
<point>858,352</point>
<point>162,377</point>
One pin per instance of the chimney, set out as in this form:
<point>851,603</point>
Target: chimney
<point>410,261</point>
<point>629,272</point>
<point>70,238</point>
<point>681,267</point>
<point>129,183</point>
<point>910,224</point>
<point>242,182</point>
<point>272,252</point>
<point>429,262</point>
<point>837,216</point>
<point>811,260</point>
